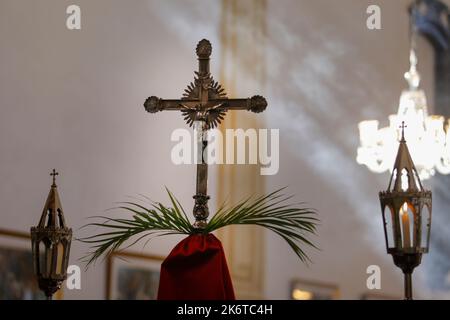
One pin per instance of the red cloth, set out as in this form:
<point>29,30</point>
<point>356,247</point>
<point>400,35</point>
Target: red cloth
<point>196,269</point>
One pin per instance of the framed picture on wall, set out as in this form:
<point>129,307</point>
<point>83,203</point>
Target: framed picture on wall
<point>313,290</point>
<point>17,278</point>
<point>378,296</point>
<point>133,276</point>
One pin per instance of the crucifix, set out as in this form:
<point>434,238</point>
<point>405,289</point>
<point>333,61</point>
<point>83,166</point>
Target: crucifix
<point>204,105</point>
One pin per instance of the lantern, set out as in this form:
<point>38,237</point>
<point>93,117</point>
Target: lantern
<point>50,241</point>
<point>406,209</point>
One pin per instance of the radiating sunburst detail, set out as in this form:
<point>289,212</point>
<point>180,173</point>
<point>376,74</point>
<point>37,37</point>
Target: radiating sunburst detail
<point>192,92</point>
<point>215,90</point>
<point>189,115</point>
<point>212,116</point>
<point>215,117</point>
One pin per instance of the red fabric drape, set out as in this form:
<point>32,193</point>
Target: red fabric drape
<point>196,269</point>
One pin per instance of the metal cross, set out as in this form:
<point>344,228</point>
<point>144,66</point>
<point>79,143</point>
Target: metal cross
<point>205,103</point>
<point>54,174</point>
<point>403,126</point>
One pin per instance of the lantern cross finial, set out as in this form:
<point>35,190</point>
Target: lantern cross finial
<point>54,174</point>
<point>403,126</point>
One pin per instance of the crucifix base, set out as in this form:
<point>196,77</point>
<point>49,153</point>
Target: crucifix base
<point>201,211</point>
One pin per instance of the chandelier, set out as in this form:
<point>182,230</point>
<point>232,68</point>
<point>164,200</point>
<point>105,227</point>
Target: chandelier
<point>428,135</point>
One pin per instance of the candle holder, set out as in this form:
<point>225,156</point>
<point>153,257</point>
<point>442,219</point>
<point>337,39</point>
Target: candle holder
<point>50,242</point>
<point>406,209</point>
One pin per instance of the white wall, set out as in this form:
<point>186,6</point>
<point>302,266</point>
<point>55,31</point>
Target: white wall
<point>73,100</point>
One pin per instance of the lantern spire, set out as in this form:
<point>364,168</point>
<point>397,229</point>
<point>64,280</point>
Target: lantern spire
<point>52,214</point>
<point>404,174</point>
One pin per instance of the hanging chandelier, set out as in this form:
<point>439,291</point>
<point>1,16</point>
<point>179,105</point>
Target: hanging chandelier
<point>428,135</point>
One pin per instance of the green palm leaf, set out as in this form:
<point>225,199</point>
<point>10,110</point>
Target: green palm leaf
<point>294,224</point>
<point>291,222</point>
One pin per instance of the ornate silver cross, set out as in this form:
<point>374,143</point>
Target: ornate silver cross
<point>205,103</point>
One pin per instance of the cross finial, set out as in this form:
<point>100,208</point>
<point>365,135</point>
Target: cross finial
<point>403,126</point>
<point>204,49</point>
<point>54,174</point>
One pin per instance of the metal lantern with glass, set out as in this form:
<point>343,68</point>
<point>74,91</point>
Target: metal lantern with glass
<point>51,240</point>
<point>406,208</point>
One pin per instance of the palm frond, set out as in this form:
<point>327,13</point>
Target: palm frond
<point>154,221</point>
<point>293,222</point>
